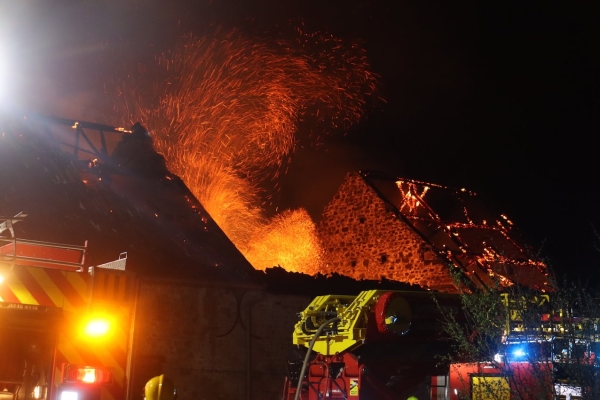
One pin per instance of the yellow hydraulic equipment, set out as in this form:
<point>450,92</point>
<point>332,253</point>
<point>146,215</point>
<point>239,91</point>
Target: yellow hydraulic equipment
<point>380,311</point>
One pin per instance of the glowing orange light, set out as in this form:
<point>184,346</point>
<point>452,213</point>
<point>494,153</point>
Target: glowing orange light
<point>97,327</point>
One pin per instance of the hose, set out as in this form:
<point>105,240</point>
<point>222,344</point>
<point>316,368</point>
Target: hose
<point>307,357</point>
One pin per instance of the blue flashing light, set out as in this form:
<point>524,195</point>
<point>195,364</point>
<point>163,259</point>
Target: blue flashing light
<point>519,353</point>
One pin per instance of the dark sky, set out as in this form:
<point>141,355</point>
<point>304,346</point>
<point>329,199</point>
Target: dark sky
<point>498,97</point>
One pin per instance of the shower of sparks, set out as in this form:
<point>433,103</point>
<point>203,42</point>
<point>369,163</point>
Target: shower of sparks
<point>225,112</point>
<point>228,198</point>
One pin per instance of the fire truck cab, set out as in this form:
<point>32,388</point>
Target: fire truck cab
<point>64,326</point>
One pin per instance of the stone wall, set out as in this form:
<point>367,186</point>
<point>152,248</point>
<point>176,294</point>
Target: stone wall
<point>199,337</point>
<point>363,238</point>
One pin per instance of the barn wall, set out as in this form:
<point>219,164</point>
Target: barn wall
<point>363,238</point>
<point>198,336</point>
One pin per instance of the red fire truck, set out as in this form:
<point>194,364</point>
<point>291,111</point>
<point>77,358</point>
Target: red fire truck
<point>64,326</point>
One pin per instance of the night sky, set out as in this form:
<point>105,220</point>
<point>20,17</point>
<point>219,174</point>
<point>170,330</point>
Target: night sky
<point>501,98</point>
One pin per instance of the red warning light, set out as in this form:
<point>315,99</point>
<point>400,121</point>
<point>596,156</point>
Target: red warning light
<point>86,375</point>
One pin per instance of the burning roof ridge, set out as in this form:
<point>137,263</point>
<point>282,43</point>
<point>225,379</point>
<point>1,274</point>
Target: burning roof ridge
<point>383,175</point>
<point>484,260</point>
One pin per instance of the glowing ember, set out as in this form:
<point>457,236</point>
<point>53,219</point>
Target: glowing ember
<point>225,112</point>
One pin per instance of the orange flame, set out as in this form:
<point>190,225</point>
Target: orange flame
<point>225,111</point>
<point>290,241</point>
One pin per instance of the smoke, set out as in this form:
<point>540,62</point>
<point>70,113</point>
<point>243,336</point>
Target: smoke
<point>227,111</point>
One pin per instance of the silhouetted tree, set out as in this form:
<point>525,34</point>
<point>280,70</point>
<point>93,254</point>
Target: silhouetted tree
<point>506,327</point>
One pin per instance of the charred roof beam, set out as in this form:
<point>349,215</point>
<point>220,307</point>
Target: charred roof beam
<point>79,127</point>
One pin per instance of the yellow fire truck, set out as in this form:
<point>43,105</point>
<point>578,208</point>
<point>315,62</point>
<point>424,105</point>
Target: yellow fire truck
<point>64,326</point>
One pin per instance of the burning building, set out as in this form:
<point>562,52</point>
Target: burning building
<point>195,288</point>
<point>378,226</point>
<point>203,315</point>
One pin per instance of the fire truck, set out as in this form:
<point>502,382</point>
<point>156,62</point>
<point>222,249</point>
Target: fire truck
<point>549,355</point>
<point>366,347</point>
<point>377,345</point>
<point>64,326</point>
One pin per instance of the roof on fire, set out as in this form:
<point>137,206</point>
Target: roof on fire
<point>462,229</point>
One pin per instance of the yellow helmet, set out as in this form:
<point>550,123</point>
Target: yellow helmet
<point>160,388</point>
<point>412,398</point>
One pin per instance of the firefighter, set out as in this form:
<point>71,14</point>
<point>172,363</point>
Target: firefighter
<point>160,388</point>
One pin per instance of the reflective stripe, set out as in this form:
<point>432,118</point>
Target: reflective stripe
<point>54,294</point>
<point>70,291</point>
<point>20,291</point>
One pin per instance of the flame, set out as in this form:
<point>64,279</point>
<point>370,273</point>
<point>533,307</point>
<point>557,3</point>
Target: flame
<point>414,205</point>
<point>225,112</point>
<point>290,241</point>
